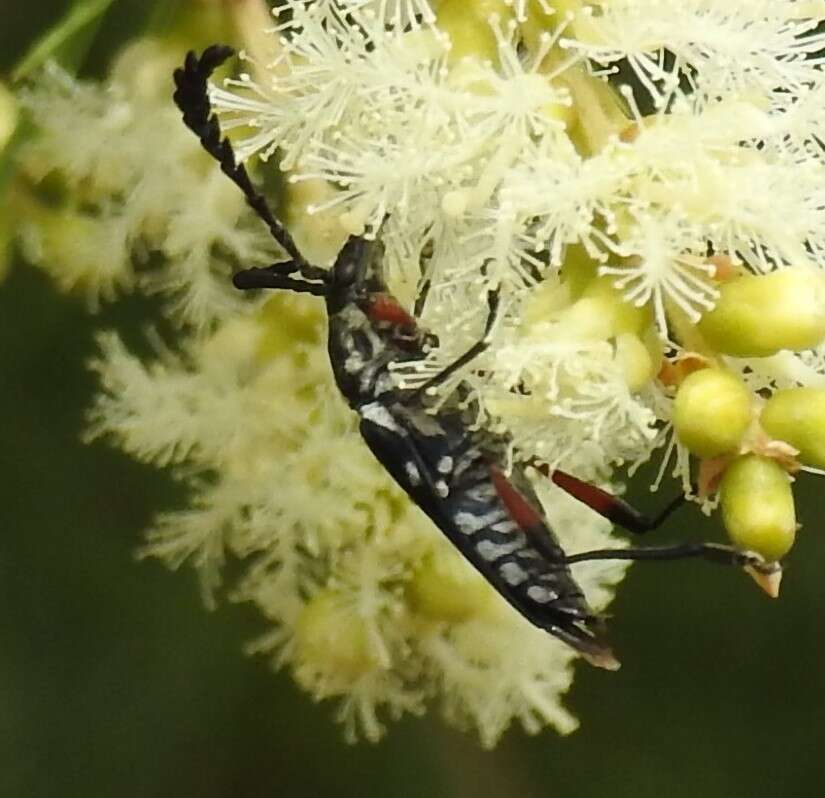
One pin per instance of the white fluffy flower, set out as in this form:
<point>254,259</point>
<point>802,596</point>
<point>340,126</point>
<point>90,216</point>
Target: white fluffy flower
<point>130,173</point>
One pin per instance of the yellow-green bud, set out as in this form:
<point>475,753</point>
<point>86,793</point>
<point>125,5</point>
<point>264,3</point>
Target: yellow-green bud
<point>578,269</point>
<point>539,21</point>
<point>758,507</point>
<point>284,323</point>
<point>8,115</point>
<point>711,412</point>
<point>467,22</point>
<point>80,250</point>
<point>545,302</point>
<point>653,344</point>
<point>624,316</point>
<point>446,588</point>
<point>599,313</point>
<point>757,315</point>
<point>329,633</point>
<point>588,319</point>
<point>635,360</point>
<point>235,341</point>
<point>797,416</point>
<point>543,16</point>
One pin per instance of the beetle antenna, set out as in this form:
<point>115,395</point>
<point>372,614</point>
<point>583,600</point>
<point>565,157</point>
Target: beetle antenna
<point>192,98</point>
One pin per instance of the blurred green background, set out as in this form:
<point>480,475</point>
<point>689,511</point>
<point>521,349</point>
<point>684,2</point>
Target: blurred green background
<point>114,680</point>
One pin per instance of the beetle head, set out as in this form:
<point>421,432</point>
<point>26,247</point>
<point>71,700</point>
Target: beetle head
<point>356,272</point>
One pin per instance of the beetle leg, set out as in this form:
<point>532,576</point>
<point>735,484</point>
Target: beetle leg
<point>609,506</point>
<point>712,552</point>
<point>628,517</point>
<point>473,352</point>
<point>421,297</point>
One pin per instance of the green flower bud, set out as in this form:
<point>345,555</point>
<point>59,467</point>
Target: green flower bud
<point>635,360</point>
<point>468,26</point>
<point>542,16</point>
<point>588,319</point>
<point>797,416</point>
<point>757,315</point>
<point>624,316</point>
<point>711,412</point>
<point>285,326</point>
<point>539,20</point>
<point>82,252</point>
<point>758,507</point>
<point>598,313</point>
<point>578,269</point>
<point>8,115</point>
<point>653,343</point>
<point>330,636</point>
<point>446,588</point>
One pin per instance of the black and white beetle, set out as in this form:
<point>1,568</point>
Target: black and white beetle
<point>451,472</point>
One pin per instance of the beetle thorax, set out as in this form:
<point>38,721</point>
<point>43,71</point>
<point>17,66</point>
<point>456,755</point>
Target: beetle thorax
<point>360,354</point>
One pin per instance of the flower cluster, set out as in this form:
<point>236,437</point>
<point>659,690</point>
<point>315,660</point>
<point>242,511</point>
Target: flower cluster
<point>107,185</point>
<point>643,185</point>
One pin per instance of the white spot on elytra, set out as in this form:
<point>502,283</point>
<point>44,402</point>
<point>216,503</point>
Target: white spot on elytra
<point>412,473</point>
<point>379,415</point>
<point>445,465</point>
<point>513,574</point>
<point>506,527</point>
<point>468,460</point>
<point>354,363</point>
<point>492,551</point>
<point>541,594</point>
<point>441,489</point>
<point>469,523</point>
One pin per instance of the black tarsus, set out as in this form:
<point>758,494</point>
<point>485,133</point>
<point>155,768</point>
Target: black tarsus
<point>712,552</point>
<point>192,98</point>
<point>628,517</point>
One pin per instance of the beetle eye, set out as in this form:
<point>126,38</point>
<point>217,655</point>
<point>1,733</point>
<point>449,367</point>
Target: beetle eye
<point>350,262</point>
<point>345,270</point>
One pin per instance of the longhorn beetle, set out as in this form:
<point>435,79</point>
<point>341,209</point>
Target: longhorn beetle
<point>449,470</point>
